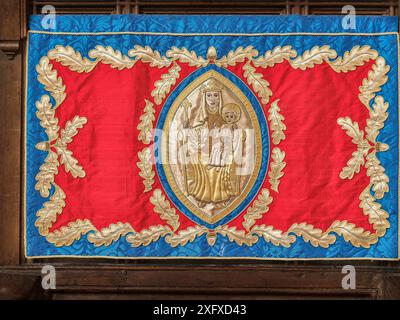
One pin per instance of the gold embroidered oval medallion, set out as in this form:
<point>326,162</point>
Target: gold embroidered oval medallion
<point>211,147</point>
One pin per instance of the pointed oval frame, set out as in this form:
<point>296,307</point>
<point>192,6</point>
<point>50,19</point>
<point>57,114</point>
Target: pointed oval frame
<point>261,139</point>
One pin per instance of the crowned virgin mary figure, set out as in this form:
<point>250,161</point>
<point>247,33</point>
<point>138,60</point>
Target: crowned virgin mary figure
<point>209,180</point>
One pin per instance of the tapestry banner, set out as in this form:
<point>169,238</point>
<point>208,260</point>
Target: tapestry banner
<point>240,137</point>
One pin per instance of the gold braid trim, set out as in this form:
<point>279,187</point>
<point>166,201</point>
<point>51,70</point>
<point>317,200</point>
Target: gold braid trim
<point>350,61</point>
<point>146,122</point>
<point>146,168</point>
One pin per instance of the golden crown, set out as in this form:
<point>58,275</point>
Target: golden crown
<point>213,85</point>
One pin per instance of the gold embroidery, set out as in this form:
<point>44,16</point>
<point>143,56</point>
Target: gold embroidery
<point>69,162</point>
<point>377,216</point>
<point>238,236</point>
<point>112,57</point>
<point>237,56</point>
<point>353,59</point>
<point>185,236</point>
<point>313,235</point>
<point>376,78</point>
<point>357,236</point>
<point>310,58</point>
<point>185,56</point>
<point>147,55</point>
<point>277,237</point>
<point>276,171</point>
<point>277,125</point>
<point>52,83</point>
<point>66,235</point>
<point>47,215</point>
<point>277,55</point>
<point>357,160</point>
<point>146,123</point>
<point>147,236</point>
<point>163,207</point>
<point>163,86</point>
<point>146,168</point>
<point>107,235</point>
<point>256,211</point>
<point>260,86</point>
<point>72,59</point>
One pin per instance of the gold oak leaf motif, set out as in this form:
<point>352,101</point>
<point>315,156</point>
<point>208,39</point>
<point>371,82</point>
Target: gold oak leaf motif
<point>313,235</point>
<point>238,236</point>
<point>376,79</point>
<point>49,78</point>
<point>67,159</point>
<point>260,85</point>
<point>47,215</point>
<point>357,160</point>
<point>148,55</point>
<point>277,237</point>
<point>163,86</point>
<point>185,236</point>
<point>354,58</point>
<point>109,234</point>
<point>316,55</point>
<point>277,55</point>
<point>163,207</point>
<point>376,215</point>
<point>112,57</point>
<point>256,211</point>
<point>185,56</point>
<point>66,235</point>
<point>146,122</point>
<point>146,168</point>
<point>147,236</point>
<point>237,56</point>
<point>277,125</point>
<point>357,236</point>
<point>72,59</point>
<point>277,166</point>
<point>68,57</point>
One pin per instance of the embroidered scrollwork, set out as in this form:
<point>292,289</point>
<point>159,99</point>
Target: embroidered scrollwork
<point>66,235</point>
<point>354,58</point>
<point>185,236</point>
<point>147,236</point>
<point>313,235</point>
<point>148,55</point>
<point>256,211</point>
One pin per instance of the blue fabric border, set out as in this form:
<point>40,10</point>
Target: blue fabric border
<point>40,44</point>
<point>214,24</point>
